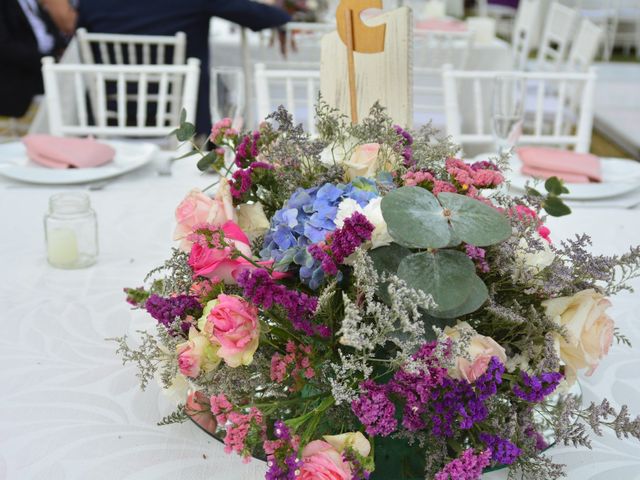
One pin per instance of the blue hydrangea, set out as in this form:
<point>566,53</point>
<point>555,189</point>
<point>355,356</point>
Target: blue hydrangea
<point>307,218</point>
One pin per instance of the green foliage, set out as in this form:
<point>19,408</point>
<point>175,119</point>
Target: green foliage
<point>551,202</point>
<point>417,219</point>
<point>449,277</point>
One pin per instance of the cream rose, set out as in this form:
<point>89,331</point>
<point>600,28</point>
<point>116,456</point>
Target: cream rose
<point>479,352</point>
<point>355,440</point>
<point>252,220</point>
<point>589,329</point>
<point>363,161</point>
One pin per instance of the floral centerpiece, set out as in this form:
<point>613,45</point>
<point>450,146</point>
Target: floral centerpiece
<point>363,304</point>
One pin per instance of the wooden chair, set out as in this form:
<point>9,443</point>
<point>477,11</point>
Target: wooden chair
<point>476,130</point>
<point>125,100</point>
<point>296,89</point>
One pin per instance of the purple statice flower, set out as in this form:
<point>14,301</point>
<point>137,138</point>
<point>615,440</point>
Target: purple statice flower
<point>281,430</point>
<point>261,289</point>
<point>341,243</point>
<point>374,409</point>
<point>468,466</point>
<point>484,165</point>
<point>477,254</point>
<point>535,388</point>
<point>541,443</point>
<point>503,451</point>
<point>460,404</point>
<point>167,310</point>
<point>240,182</point>
<point>417,388</point>
<point>288,470</point>
<point>263,165</point>
<point>405,144</point>
<point>487,384</point>
<point>247,149</point>
<point>358,471</point>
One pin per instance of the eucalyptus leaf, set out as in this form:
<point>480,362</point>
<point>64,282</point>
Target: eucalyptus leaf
<point>475,222</point>
<point>478,294</point>
<point>446,275</point>
<point>387,260</point>
<point>555,186</point>
<point>186,131</point>
<point>555,207</point>
<point>414,218</point>
<point>207,161</point>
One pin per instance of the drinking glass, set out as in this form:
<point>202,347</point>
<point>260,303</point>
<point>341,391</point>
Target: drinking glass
<point>507,111</point>
<point>227,94</point>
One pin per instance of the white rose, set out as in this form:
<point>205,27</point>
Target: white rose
<point>252,220</point>
<point>373,211</point>
<point>356,440</point>
<point>532,262</point>
<point>357,160</point>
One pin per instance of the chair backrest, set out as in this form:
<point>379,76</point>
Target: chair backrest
<point>558,31</point>
<point>118,49</point>
<point>549,127</point>
<point>585,46</point>
<point>124,100</point>
<point>275,87</point>
<point>526,22</point>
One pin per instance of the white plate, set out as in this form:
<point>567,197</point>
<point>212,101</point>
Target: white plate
<point>15,164</point>
<point>619,177</point>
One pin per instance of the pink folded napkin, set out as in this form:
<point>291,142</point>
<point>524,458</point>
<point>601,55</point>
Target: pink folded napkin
<point>59,152</point>
<point>570,166</point>
<point>442,25</point>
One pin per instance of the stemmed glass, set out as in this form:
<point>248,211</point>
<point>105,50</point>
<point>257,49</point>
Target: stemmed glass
<point>227,94</point>
<point>507,111</point>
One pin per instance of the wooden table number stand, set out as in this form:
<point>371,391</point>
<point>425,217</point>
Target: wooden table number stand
<point>364,63</point>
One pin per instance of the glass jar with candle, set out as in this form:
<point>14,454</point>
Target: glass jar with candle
<point>71,231</point>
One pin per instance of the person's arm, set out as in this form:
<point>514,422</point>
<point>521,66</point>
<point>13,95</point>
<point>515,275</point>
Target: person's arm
<point>62,14</point>
<point>253,15</point>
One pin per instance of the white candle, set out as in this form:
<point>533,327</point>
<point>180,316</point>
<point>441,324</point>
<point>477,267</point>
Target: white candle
<point>484,29</point>
<point>62,247</point>
<point>434,9</point>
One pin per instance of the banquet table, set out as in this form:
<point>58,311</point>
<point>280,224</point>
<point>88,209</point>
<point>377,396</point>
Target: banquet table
<point>70,410</point>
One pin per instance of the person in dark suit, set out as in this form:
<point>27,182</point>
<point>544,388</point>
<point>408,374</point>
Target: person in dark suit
<point>26,34</point>
<point>166,17</point>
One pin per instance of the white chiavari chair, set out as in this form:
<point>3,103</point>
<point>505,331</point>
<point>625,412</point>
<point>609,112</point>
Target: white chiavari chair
<point>125,100</point>
<point>476,129</point>
<point>558,31</point>
<point>432,50</point>
<point>295,88</point>
<point>526,23</point>
<point>585,46</point>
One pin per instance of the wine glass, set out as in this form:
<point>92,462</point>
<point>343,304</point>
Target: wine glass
<point>227,94</point>
<point>507,110</point>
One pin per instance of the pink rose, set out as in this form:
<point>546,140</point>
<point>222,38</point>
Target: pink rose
<point>197,354</point>
<point>197,208</point>
<point>363,161</point>
<point>479,352</point>
<point>233,323</point>
<point>321,461</point>
<point>198,408</point>
<point>217,263</point>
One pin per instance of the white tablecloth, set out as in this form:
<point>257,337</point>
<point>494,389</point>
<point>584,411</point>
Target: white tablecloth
<point>70,410</point>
